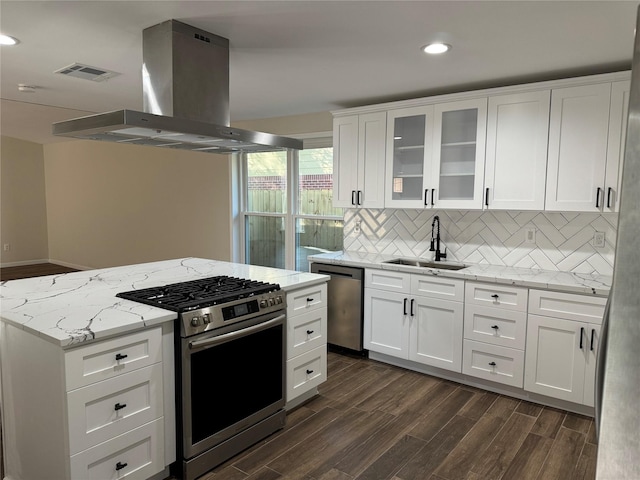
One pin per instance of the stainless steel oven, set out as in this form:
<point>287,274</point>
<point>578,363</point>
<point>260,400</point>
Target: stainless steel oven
<point>233,390</point>
<point>230,366</point>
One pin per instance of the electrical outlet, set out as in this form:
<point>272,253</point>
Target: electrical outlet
<point>598,239</point>
<point>6,247</point>
<point>357,227</point>
<point>530,235</point>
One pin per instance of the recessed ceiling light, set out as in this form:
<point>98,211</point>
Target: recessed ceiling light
<point>436,48</point>
<point>7,40</point>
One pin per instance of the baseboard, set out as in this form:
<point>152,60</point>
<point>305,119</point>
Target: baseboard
<point>44,260</point>
<point>24,262</point>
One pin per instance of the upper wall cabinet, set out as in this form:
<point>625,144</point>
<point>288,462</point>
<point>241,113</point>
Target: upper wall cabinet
<point>435,155</point>
<point>408,164</point>
<point>615,147</point>
<point>516,159</point>
<point>578,134</point>
<point>358,160</point>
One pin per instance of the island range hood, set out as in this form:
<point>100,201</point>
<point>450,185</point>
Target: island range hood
<point>185,83</point>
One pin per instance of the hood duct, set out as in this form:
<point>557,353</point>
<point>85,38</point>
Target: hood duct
<point>185,82</point>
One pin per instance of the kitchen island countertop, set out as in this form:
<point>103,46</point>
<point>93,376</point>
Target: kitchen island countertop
<point>526,277</point>
<point>72,308</point>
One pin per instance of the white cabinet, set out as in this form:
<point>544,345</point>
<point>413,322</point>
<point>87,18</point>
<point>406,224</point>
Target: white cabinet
<point>435,155</point>
<point>414,317</point>
<point>306,340</point>
<point>100,410</point>
<point>578,135</point>
<point>563,332</point>
<point>358,160</point>
<point>516,156</point>
<point>615,146</point>
<point>495,322</point>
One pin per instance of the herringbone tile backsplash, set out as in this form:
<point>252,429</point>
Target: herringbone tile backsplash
<point>563,241</point>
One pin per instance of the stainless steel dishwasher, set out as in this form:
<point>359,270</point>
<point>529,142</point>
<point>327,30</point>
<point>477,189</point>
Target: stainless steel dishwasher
<point>345,304</point>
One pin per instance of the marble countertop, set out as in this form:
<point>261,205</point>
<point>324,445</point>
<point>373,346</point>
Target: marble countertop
<point>72,308</point>
<point>526,277</point>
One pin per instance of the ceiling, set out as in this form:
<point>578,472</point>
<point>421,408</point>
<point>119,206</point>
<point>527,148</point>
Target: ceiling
<point>295,57</point>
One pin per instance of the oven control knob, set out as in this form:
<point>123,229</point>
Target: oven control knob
<point>206,318</point>
<point>195,321</point>
<point>271,302</point>
<point>263,304</point>
<point>279,299</point>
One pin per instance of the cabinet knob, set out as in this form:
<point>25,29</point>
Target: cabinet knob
<point>495,297</point>
<point>495,327</point>
<point>309,332</point>
<point>119,356</point>
<point>309,372</point>
<point>120,466</point>
<point>493,364</point>
<point>119,406</point>
<point>309,299</point>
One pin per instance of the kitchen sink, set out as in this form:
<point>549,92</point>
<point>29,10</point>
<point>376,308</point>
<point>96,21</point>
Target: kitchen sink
<point>423,264</point>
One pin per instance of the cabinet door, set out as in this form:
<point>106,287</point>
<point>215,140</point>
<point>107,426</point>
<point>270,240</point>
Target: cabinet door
<point>592,342</point>
<point>578,132</point>
<point>345,161</point>
<point>459,136</point>
<point>372,129</point>
<point>408,164</point>
<point>615,150</point>
<point>516,158</point>
<point>436,333</point>
<point>554,362</point>
<point>386,325</point>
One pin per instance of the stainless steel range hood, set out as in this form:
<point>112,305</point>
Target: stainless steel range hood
<point>185,82</point>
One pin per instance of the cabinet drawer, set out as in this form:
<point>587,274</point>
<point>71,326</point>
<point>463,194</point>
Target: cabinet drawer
<point>106,409</point>
<point>494,363</point>
<point>437,287</point>
<point>508,298</point>
<point>583,308</point>
<point>507,328</point>
<point>136,455</point>
<point>306,332</point>
<point>387,280</point>
<point>306,299</point>
<point>306,371</point>
<point>110,358</point>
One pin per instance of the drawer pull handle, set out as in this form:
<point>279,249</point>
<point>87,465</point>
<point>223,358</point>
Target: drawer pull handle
<point>119,356</point>
<point>120,466</point>
<point>609,197</point>
<point>495,327</point>
<point>119,406</point>
<point>426,197</point>
<point>404,308</point>
<point>495,296</point>
<point>493,364</point>
<point>598,197</point>
<point>412,300</point>
<point>309,299</point>
<point>309,332</point>
<point>581,335</point>
<point>309,372</point>
<point>593,333</point>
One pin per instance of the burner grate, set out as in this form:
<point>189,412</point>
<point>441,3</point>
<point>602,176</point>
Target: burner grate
<point>201,293</point>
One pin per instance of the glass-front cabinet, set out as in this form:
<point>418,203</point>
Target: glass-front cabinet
<point>435,155</point>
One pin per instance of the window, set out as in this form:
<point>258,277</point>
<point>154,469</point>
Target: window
<point>288,208</point>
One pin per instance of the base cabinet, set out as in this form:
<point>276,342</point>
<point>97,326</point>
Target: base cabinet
<point>424,328</point>
<point>306,366</point>
<point>103,410</point>
<point>563,333</point>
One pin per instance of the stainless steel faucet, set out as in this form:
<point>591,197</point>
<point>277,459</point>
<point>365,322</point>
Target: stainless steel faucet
<point>436,240</point>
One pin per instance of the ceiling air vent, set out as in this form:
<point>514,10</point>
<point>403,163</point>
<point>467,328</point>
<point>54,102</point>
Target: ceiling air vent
<point>87,72</point>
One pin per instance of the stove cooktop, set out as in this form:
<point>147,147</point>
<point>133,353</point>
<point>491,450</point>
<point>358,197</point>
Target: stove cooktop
<point>198,294</point>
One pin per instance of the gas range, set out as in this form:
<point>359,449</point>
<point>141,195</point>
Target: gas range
<point>209,303</point>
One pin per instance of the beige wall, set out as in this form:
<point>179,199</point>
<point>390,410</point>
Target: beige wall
<point>23,212</point>
<point>291,125</point>
<point>111,204</point>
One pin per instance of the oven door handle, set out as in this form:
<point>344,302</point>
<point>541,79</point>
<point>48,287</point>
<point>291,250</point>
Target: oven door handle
<point>207,342</point>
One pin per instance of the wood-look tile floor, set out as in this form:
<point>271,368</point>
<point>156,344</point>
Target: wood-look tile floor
<point>374,421</point>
